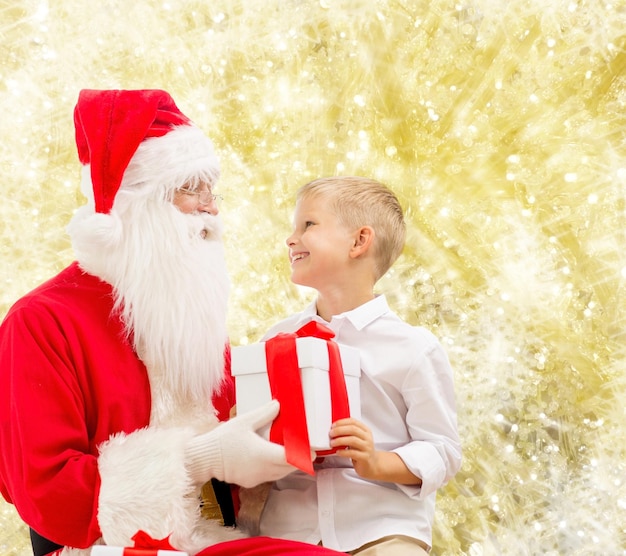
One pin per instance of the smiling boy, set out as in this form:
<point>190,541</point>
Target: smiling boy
<point>376,494</point>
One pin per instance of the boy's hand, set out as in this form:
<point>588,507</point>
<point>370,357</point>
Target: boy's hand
<point>354,440</point>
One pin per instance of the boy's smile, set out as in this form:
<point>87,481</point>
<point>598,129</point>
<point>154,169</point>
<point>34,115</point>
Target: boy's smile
<point>296,256</point>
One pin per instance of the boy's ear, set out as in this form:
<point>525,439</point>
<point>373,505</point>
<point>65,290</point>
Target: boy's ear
<point>363,239</point>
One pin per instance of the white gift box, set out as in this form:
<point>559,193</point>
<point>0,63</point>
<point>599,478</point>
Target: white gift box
<point>249,367</point>
<point>100,550</point>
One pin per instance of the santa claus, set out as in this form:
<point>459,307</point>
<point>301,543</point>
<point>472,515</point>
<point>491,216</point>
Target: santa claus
<point>111,372</point>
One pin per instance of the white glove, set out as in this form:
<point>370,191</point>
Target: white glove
<point>235,453</point>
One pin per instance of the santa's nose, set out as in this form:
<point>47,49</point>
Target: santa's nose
<point>210,207</point>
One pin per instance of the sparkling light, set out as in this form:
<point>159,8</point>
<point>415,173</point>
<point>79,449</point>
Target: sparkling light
<point>499,124</point>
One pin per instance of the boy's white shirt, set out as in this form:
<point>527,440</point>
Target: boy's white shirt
<point>407,400</point>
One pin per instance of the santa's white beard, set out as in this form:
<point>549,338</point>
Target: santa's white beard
<point>170,283</point>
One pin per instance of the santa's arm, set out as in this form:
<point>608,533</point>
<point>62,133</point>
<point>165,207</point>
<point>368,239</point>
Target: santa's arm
<point>148,476</point>
<point>48,467</point>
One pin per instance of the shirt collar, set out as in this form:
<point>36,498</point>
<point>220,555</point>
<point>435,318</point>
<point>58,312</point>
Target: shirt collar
<point>359,317</point>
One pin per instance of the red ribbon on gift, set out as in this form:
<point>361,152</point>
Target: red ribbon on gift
<point>142,551</point>
<point>289,428</point>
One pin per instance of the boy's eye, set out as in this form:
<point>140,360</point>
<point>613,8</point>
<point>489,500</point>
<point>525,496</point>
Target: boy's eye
<point>308,223</point>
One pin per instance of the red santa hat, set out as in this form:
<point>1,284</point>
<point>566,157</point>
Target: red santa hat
<point>111,124</point>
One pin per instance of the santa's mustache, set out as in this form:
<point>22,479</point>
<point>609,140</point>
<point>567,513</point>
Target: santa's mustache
<point>204,225</point>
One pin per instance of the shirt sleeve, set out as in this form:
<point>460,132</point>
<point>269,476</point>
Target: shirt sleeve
<point>434,454</point>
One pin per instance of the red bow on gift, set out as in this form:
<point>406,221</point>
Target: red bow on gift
<point>289,428</point>
<point>145,545</point>
<point>143,540</point>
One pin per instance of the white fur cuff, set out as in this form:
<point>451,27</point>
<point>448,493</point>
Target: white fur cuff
<point>145,486</point>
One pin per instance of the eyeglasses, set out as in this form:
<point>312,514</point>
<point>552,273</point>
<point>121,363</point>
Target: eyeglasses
<point>205,197</point>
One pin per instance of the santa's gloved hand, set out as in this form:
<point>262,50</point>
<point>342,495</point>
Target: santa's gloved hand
<point>235,453</point>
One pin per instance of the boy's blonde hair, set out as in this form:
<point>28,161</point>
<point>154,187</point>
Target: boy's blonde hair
<point>360,202</point>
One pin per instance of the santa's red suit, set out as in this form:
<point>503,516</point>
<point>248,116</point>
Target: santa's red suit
<point>70,354</point>
<point>97,440</point>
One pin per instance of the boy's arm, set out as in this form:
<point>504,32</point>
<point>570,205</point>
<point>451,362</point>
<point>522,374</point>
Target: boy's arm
<point>355,441</point>
<point>433,455</point>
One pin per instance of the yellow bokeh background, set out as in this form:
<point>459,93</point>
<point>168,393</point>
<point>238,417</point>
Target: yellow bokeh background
<point>501,125</point>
